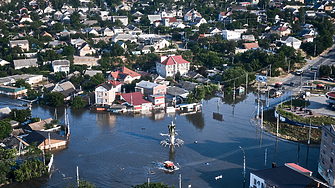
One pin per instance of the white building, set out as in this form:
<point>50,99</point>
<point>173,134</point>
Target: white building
<point>170,65</point>
<point>231,35</point>
<point>123,19</point>
<point>61,66</point>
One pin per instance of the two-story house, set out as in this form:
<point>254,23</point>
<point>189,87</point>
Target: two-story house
<point>231,35</point>
<point>280,30</point>
<point>85,49</point>
<point>61,66</point>
<point>107,32</point>
<point>123,74</point>
<point>149,88</point>
<point>123,19</point>
<point>105,93</point>
<point>24,44</point>
<point>170,65</point>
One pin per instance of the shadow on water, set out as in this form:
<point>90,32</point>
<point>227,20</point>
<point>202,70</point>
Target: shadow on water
<point>197,120</point>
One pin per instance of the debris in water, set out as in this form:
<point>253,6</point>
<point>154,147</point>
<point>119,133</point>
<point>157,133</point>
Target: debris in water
<point>207,163</point>
<point>143,128</point>
<point>195,142</point>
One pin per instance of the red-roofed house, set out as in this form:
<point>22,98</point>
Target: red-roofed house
<point>224,15</point>
<point>169,21</point>
<point>123,74</point>
<point>280,30</point>
<point>105,93</point>
<point>136,99</point>
<point>171,64</point>
<point>251,46</point>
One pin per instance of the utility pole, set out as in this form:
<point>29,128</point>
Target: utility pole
<point>270,70</point>
<point>289,62</point>
<point>266,151</point>
<point>77,177</point>
<point>243,164</point>
<point>49,141</point>
<point>309,133</point>
<point>179,180</point>
<point>262,117</point>
<point>258,102</point>
<point>277,123</point>
<point>315,50</point>
<point>246,83</point>
<point>300,82</point>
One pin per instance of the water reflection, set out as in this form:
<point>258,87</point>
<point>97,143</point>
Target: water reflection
<point>197,119</point>
<point>157,115</point>
<point>104,119</point>
<point>172,154</point>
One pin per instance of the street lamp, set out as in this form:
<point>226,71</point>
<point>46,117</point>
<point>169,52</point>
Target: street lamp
<point>243,164</point>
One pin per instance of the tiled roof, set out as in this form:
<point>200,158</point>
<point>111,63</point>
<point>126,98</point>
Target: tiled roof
<point>123,72</point>
<point>171,60</point>
<point>135,98</point>
<point>251,45</point>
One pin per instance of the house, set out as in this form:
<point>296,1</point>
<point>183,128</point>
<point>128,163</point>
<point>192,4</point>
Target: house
<point>159,43</point>
<point>167,13</point>
<point>131,29</point>
<point>280,30</point>
<point>178,25</point>
<point>118,30</point>
<point>262,18</point>
<point>308,38</point>
<point>5,112</point>
<point>170,65</point>
<point>198,21</point>
<point>326,164</point>
<point>40,125</point>
<point>145,49</point>
<point>4,62</point>
<point>14,142</point>
<point>107,32</point>
<point>25,18</point>
<point>67,89</point>
<point>136,100</point>
<point>90,30</point>
<point>25,63</point>
<point>310,13</point>
<point>149,88</point>
<point>189,86</point>
<point>124,37</point>
<point>291,41</point>
<point>48,10</point>
<point>328,8</point>
<point>158,101</point>
<point>168,21</point>
<point>90,22</point>
<point>58,15</point>
<point>238,8</point>
<point>61,66</point>
<point>122,7</point>
<point>24,44</point>
<point>13,91</point>
<point>154,18</point>
<point>251,46</point>
<point>123,19</point>
<point>105,93</point>
<point>43,142</point>
<point>224,15</point>
<point>289,175</point>
<point>190,15</point>
<point>177,91</point>
<point>310,32</point>
<point>248,38</point>
<point>123,74</point>
<point>91,73</point>
<point>85,49</point>
<point>231,35</point>
<point>44,33</point>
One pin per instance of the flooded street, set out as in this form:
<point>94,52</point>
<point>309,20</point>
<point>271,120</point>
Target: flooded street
<point>118,150</point>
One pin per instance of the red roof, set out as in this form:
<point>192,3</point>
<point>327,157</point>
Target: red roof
<point>251,45</point>
<point>171,60</point>
<point>122,72</point>
<point>225,13</point>
<point>282,28</point>
<point>135,98</point>
<point>171,20</point>
<point>301,169</point>
<point>331,94</point>
<point>114,82</point>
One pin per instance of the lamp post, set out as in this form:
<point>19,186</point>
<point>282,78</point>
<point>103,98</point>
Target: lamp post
<point>243,164</point>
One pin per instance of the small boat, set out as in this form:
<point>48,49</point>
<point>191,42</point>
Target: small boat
<point>169,166</point>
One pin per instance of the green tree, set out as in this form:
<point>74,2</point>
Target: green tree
<point>20,115</point>
<point>6,164</point>
<point>68,51</point>
<point>5,129</point>
<point>22,83</point>
<point>82,184</point>
<point>55,99</point>
<point>75,20</point>
<point>77,102</point>
<point>117,50</point>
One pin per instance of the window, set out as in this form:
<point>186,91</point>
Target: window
<point>262,185</point>
<point>105,100</point>
<point>254,181</point>
<point>324,152</point>
<point>331,160</point>
<point>333,141</point>
<point>333,151</point>
<point>323,161</point>
<point>324,144</point>
<point>105,94</point>
<point>325,135</point>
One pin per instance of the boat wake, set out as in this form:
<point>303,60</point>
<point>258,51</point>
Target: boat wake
<point>160,166</point>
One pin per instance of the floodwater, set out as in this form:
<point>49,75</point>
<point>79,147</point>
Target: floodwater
<point>118,150</point>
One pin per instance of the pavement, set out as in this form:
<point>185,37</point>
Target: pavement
<point>319,105</point>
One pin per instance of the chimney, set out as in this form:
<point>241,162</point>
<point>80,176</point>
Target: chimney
<point>274,165</point>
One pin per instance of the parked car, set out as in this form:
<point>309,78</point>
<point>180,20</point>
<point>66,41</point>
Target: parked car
<point>292,84</point>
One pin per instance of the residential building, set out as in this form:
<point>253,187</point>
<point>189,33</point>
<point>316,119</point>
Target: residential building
<point>43,142</point>
<point>118,30</point>
<point>90,22</point>
<point>250,38</point>
<point>231,35</point>
<point>280,30</point>
<point>224,15</point>
<point>159,43</point>
<point>123,19</point>
<point>326,165</point>
<point>149,88</point>
<point>4,62</point>
<point>105,93</point>
<point>25,18</point>
<point>289,175</point>
<point>13,91</point>
<point>198,21</point>
<point>25,63</point>
<point>191,14</point>
<point>67,89</point>
<point>177,91</point>
<point>61,66</point>
<point>85,49</point>
<point>58,15</point>
<point>131,29</point>
<point>40,125</point>
<point>251,46</point>
<point>213,31</point>
<point>154,18</point>
<point>291,41</point>
<point>24,44</point>
<point>168,21</point>
<point>123,74</point>
<point>158,101</point>
<point>123,6</point>
<point>107,32</point>
<point>170,65</point>
<point>136,100</point>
